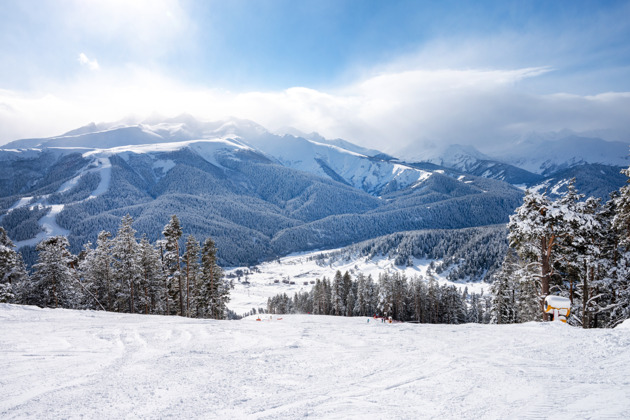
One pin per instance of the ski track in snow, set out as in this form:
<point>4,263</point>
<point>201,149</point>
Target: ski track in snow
<point>85,364</point>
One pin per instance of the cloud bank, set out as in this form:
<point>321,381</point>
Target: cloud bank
<point>398,112</point>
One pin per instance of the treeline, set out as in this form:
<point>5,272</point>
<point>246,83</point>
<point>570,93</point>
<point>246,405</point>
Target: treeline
<point>120,274</point>
<point>572,247</point>
<point>392,295</point>
<point>470,254</point>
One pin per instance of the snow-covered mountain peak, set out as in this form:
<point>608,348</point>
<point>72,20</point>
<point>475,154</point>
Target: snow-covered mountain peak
<point>548,153</point>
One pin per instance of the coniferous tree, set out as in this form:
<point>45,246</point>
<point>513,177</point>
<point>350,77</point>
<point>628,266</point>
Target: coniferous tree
<point>337,294</point>
<point>13,274</point>
<point>152,279</point>
<point>504,291</point>
<point>214,290</point>
<point>418,295</point>
<point>53,283</point>
<point>346,291</point>
<point>191,260</point>
<point>535,229</point>
<point>621,227</point>
<point>172,232</point>
<point>96,272</point>
<point>363,304</point>
<point>126,267</point>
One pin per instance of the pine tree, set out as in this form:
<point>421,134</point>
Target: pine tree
<point>363,298</point>
<point>504,291</point>
<point>528,292</point>
<point>213,289</point>
<point>172,232</point>
<point>191,259</point>
<point>337,295</point>
<point>96,271</point>
<point>152,279</point>
<point>53,283</point>
<point>126,267</point>
<point>12,271</point>
<point>418,294</point>
<point>385,295</point>
<point>346,291</point>
<point>534,231</point>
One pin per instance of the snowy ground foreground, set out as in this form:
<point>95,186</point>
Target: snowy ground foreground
<point>84,364</point>
<point>302,267</point>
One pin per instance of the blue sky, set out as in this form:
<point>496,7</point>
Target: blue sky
<point>396,73</point>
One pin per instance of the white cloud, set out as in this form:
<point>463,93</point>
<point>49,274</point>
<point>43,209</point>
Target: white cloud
<point>85,61</point>
<point>396,112</point>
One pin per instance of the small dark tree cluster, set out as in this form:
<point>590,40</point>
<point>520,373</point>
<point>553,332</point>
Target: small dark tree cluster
<point>120,274</point>
<point>393,295</point>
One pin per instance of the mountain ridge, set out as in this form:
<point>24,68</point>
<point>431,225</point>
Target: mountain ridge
<point>260,195</point>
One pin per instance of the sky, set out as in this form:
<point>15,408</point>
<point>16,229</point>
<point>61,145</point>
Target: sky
<point>400,76</point>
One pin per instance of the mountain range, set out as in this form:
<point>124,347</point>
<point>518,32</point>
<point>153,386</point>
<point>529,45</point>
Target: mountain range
<point>261,195</point>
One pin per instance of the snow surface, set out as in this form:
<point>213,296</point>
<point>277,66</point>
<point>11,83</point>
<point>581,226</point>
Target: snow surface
<point>253,290</point>
<point>86,364</point>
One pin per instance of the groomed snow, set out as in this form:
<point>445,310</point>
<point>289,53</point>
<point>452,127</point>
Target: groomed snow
<point>84,364</point>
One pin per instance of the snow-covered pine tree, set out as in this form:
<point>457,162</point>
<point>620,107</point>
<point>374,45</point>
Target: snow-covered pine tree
<point>319,295</point>
<point>504,290</point>
<point>362,302</point>
<point>96,271</point>
<point>152,289</point>
<point>534,230</point>
<point>350,302</point>
<point>474,313</point>
<point>12,271</point>
<point>191,260</point>
<point>172,260</point>
<point>385,295</point>
<point>53,283</point>
<point>527,277</point>
<point>433,299</point>
<point>126,267</point>
<point>346,289</point>
<point>455,312</point>
<point>337,294</point>
<point>419,303</point>
<point>213,289</point>
<point>582,250</point>
<point>621,226</point>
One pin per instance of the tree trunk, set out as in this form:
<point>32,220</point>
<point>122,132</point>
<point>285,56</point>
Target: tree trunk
<point>188,285</point>
<point>585,320</point>
<point>545,248</point>
<point>181,286</point>
<point>131,296</point>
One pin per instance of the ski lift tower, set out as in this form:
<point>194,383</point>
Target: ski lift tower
<point>559,307</point>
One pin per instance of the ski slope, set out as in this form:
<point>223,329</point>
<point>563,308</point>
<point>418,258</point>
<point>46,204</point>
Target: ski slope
<point>85,364</point>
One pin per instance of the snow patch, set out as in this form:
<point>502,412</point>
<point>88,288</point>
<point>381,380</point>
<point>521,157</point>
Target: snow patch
<point>164,165</point>
<point>20,203</point>
<point>50,226</point>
